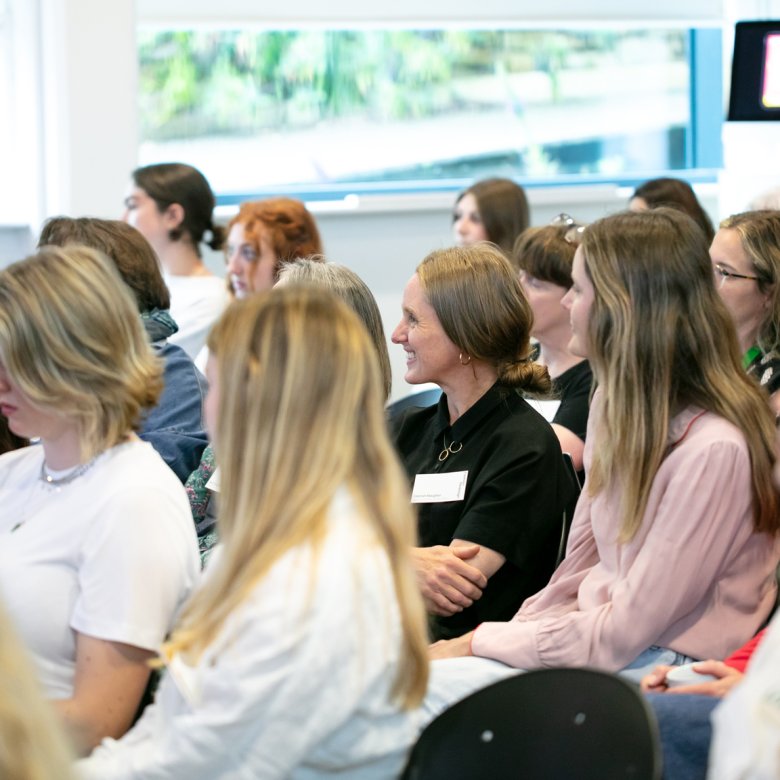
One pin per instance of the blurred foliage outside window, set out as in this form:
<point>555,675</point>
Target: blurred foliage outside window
<point>259,110</point>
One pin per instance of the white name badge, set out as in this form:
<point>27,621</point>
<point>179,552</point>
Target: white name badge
<point>437,488</point>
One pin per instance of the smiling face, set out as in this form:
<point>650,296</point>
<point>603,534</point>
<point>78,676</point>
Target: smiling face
<point>579,301</point>
<point>430,354</point>
<point>24,418</point>
<point>743,298</point>
<point>467,222</point>
<point>250,270</point>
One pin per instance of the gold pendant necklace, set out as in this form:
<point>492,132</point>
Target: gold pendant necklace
<point>450,449</point>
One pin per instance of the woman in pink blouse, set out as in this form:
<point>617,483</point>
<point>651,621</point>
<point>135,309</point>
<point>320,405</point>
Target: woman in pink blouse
<point>672,551</point>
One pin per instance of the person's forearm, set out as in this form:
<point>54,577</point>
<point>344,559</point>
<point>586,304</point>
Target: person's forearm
<point>86,727</point>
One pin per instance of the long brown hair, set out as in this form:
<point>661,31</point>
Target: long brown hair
<point>503,208</point>
<point>660,338</point>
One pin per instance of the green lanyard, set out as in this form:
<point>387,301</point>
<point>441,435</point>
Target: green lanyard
<point>753,353</point>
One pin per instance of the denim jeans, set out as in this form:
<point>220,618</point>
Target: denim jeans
<point>647,660</point>
<point>685,730</point>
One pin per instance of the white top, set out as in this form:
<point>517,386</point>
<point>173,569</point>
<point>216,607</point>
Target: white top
<point>746,725</point>
<point>112,555</point>
<point>296,685</point>
<point>196,302</point>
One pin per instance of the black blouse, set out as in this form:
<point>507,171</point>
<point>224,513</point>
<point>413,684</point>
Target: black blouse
<point>516,492</point>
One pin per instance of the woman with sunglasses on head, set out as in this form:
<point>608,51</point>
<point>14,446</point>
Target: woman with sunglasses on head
<point>673,547</point>
<point>98,551</point>
<point>746,257</point>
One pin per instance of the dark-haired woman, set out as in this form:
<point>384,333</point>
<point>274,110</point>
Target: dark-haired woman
<point>172,205</point>
<point>494,210</point>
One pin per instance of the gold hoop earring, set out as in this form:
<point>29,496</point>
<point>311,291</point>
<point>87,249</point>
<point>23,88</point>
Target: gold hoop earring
<point>460,357</point>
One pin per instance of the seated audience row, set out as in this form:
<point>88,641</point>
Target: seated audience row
<point>314,520</point>
<point>673,410</point>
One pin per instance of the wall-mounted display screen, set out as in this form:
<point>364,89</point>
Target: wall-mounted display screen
<point>755,72</point>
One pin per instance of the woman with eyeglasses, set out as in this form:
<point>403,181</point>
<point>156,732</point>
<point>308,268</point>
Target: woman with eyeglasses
<point>746,257</point>
<point>673,548</point>
<point>485,467</point>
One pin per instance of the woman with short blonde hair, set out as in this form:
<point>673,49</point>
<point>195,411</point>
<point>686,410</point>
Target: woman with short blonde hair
<point>308,634</point>
<point>98,551</point>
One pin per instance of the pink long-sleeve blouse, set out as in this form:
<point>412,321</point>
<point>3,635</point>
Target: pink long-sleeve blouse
<point>696,578</point>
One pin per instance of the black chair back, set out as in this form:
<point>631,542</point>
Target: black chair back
<point>421,399</point>
<point>568,513</point>
<point>549,724</point>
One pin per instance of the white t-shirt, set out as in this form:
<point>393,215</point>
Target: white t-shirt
<point>112,555</point>
<point>196,302</point>
<point>296,685</point>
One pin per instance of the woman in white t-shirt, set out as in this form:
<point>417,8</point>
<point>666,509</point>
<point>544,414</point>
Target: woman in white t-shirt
<point>172,205</point>
<point>98,551</point>
<point>304,652</point>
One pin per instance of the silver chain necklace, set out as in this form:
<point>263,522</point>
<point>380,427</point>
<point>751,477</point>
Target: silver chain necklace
<point>54,483</point>
<point>51,484</point>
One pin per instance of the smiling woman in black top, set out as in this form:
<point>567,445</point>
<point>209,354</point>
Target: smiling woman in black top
<point>488,534</point>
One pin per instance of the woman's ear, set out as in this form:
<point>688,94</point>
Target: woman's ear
<point>173,216</point>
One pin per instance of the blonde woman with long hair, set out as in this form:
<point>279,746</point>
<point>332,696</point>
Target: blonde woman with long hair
<point>673,549</point>
<point>304,652</point>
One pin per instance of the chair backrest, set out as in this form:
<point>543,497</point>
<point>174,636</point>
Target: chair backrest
<point>422,399</point>
<point>547,724</point>
<point>568,512</point>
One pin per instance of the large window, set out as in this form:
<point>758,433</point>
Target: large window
<point>320,113</point>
